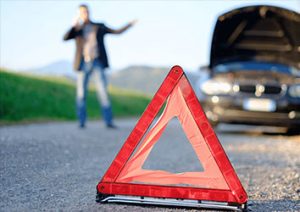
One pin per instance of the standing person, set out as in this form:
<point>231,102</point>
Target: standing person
<point>91,58</point>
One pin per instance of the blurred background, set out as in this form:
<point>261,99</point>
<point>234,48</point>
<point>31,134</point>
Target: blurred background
<point>37,80</point>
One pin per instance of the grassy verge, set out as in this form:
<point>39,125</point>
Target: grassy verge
<point>28,98</point>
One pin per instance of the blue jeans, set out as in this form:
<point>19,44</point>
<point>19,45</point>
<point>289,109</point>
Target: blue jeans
<point>93,69</point>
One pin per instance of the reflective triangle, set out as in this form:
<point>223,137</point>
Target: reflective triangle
<point>218,181</point>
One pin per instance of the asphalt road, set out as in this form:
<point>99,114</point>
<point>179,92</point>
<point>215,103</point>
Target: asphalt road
<point>56,166</point>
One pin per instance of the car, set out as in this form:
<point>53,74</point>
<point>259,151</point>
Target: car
<point>253,76</point>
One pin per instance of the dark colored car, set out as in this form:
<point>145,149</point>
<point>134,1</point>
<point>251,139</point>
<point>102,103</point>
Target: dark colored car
<point>254,71</point>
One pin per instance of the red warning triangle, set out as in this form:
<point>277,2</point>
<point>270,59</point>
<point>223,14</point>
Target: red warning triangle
<point>218,182</point>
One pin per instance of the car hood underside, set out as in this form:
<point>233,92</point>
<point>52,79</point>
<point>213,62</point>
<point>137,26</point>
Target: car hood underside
<point>261,33</point>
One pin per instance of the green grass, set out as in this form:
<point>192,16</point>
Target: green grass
<point>29,98</point>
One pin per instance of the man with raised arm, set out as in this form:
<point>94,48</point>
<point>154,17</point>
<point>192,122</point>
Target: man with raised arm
<point>91,58</point>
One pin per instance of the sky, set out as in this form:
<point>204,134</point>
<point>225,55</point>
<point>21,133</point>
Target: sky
<point>167,32</point>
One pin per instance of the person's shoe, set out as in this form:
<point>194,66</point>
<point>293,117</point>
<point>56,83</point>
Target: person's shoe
<point>111,126</point>
<point>81,126</point>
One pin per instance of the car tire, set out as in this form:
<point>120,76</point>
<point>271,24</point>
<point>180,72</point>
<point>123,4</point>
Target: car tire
<point>293,131</point>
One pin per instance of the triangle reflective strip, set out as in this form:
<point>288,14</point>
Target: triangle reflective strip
<point>218,181</point>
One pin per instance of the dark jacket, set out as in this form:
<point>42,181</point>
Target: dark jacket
<point>77,34</point>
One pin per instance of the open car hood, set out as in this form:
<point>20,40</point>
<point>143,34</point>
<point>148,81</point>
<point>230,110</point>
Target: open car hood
<point>259,33</point>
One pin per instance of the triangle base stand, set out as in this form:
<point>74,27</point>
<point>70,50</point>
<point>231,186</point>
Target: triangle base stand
<point>136,200</point>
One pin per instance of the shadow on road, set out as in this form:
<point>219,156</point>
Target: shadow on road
<point>250,130</point>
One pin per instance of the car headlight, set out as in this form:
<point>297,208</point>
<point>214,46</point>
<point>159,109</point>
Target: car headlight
<point>294,91</point>
<point>212,87</point>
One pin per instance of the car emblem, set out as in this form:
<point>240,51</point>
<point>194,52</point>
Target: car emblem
<point>259,90</point>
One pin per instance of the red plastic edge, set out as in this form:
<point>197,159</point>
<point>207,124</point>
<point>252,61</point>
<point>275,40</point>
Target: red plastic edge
<point>107,185</point>
<point>143,124</point>
<point>213,142</point>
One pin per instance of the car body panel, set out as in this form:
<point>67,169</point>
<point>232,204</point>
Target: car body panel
<point>255,80</point>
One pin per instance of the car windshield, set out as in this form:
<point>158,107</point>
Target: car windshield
<point>257,66</point>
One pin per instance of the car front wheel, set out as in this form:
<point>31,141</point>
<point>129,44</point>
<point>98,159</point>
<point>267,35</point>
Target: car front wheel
<point>293,130</point>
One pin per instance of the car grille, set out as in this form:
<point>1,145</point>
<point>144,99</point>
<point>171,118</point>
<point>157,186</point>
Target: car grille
<point>268,89</point>
<point>272,89</point>
<point>247,88</point>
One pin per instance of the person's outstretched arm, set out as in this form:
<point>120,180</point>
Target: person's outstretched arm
<point>123,29</point>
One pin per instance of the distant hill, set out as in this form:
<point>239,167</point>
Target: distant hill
<point>144,79</point>
<point>141,78</point>
<point>59,68</point>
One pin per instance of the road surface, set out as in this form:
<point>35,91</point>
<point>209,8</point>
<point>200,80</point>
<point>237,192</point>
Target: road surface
<point>56,166</point>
